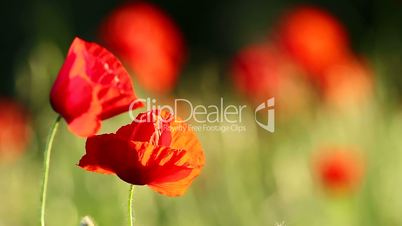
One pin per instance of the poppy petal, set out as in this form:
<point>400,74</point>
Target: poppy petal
<point>107,154</point>
<point>176,188</point>
<point>93,160</point>
<point>85,125</point>
<point>137,131</point>
<point>92,85</point>
<point>155,164</point>
<point>185,139</point>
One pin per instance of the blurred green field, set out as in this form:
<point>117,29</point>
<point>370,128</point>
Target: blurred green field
<point>254,179</point>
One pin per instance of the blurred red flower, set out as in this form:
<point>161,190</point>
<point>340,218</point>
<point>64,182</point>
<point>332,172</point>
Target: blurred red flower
<point>15,130</point>
<point>339,169</point>
<point>261,71</point>
<point>149,41</point>
<point>348,83</point>
<point>154,150</point>
<point>313,38</point>
<point>91,86</point>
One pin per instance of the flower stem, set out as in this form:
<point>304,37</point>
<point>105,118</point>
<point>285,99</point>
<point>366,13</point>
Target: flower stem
<point>46,163</point>
<point>130,205</point>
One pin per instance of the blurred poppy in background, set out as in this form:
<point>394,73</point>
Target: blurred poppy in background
<point>148,41</point>
<point>318,43</point>
<point>313,38</point>
<point>348,83</point>
<point>14,129</point>
<point>261,71</point>
<point>339,169</point>
<point>92,85</point>
<point>153,150</point>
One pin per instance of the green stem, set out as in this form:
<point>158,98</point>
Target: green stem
<point>130,205</point>
<point>46,163</point>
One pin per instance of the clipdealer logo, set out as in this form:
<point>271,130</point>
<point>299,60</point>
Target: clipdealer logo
<point>219,117</point>
<point>269,105</point>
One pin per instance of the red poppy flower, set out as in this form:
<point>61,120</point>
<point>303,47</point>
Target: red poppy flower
<point>256,70</point>
<point>339,169</point>
<point>153,150</point>
<point>314,38</point>
<point>347,84</point>
<point>92,85</point>
<point>149,41</point>
<point>14,132</point>
<point>261,71</point>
